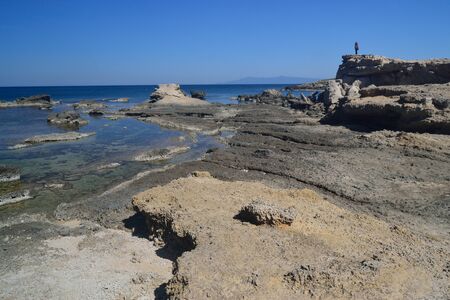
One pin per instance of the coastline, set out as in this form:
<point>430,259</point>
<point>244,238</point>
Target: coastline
<point>378,191</point>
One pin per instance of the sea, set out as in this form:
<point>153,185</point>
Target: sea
<point>70,171</point>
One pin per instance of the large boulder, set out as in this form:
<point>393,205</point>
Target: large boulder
<point>379,70</point>
<point>333,92</point>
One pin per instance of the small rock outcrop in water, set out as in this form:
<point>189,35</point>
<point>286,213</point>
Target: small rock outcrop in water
<point>171,94</point>
<point>67,119</point>
<point>161,154</point>
<point>88,104</point>
<point>96,112</point>
<point>258,212</point>
<point>54,137</point>
<point>379,70</point>
<point>38,101</point>
<point>198,94</point>
<point>8,173</point>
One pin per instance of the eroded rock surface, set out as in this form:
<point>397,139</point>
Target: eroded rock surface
<point>77,260</point>
<point>379,70</point>
<point>227,258</point>
<point>258,212</point>
<point>423,108</point>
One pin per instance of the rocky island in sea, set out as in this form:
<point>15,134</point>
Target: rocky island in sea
<point>340,192</point>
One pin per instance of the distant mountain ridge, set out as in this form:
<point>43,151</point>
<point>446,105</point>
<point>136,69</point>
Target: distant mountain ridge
<point>271,80</point>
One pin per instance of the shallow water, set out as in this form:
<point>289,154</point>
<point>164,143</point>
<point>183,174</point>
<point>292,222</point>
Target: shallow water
<point>75,164</point>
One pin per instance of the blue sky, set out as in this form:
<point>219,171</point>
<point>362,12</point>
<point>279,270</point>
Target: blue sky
<point>62,42</point>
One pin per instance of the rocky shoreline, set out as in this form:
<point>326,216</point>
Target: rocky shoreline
<point>317,196</point>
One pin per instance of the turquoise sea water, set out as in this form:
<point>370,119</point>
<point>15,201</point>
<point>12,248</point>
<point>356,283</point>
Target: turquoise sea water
<point>76,163</point>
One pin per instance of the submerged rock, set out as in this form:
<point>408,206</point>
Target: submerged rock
<point>120,100</point>
<point>14,197</point>
<point>67,119</point>
<point>53,137</point>
<point>8,173</point>
<point>161,154</point>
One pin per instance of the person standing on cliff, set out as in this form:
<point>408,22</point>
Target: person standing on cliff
<point>356,48</point>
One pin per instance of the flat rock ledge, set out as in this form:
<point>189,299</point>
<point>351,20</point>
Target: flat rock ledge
<point>161,154</point>
<point>328,252</point>
<point>54,137</point>
<point>171,94</point>
<point>380,70</point>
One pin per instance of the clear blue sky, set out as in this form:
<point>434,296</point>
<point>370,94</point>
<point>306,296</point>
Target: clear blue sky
<point>78,42</point>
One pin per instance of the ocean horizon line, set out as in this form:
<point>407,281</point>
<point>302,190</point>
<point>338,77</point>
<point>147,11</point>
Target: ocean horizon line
<point>111,85</point>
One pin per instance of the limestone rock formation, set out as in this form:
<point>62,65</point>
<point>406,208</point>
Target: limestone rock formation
<point>327,252</point>
<point>171,94</point>
<point>333,92</point>
<point>379,70</point>
<point>417,108</point>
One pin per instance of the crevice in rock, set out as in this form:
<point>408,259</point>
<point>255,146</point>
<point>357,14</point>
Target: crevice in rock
<point>303,181</point>
<point>159,227</point>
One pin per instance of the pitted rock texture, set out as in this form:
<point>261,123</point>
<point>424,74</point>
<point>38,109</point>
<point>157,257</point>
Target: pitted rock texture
<point>417,108</point>
<point>379,70</point>
<point>258,212</point>
<point>328,251</point>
